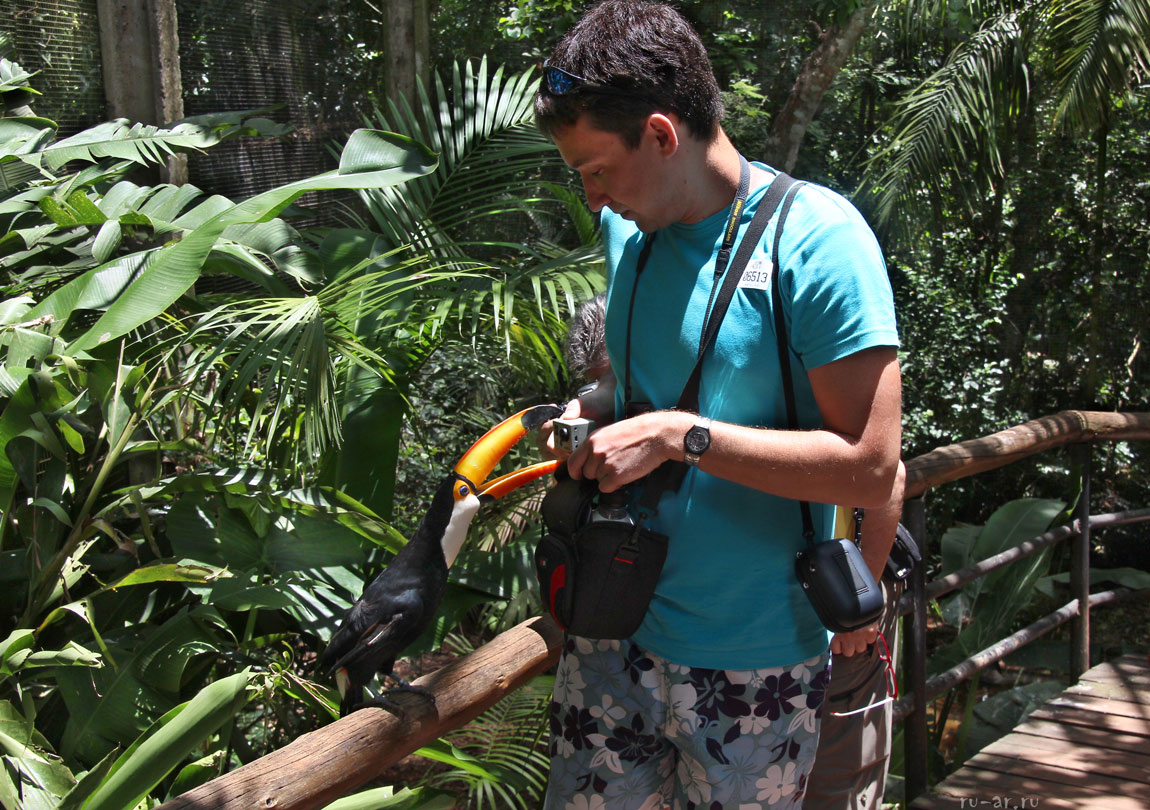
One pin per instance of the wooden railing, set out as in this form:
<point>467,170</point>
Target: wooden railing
<point>332,761</point>
<point>1075,428</point>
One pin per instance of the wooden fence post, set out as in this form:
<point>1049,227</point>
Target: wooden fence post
<point>1080,569</point>
<point>914,648</point>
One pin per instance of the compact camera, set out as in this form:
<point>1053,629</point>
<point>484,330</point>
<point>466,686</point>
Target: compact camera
<point>570,433</point>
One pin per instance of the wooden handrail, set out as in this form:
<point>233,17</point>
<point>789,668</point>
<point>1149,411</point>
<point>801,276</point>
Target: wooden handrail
<point>319,767</point>
<point>967,458</point>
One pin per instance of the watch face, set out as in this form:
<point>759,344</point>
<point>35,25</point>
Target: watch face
<point>697,440</point>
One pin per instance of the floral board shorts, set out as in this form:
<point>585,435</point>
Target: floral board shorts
<point>633,731</point>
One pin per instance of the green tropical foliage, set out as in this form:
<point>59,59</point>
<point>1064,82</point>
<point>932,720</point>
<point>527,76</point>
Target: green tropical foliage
<point>985,610</point>
<point>483,233</point>
<point>1064,62</point>
<point>501,758</point>
<point>169,540</point>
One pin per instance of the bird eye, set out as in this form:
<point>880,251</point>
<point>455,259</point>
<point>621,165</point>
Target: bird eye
<point>463,490</point>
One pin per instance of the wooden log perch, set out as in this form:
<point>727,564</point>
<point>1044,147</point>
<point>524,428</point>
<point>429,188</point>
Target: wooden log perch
<point>323,765</point>
<point>1007,446</point>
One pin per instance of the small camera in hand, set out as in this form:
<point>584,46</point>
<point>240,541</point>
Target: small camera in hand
<point>570,433</point>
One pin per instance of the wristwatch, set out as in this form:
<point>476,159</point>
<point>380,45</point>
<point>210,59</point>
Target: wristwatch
<point>697,440</point>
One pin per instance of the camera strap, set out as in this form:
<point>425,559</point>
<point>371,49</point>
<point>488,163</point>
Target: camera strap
<point>785,358</point>
<point>669,476</point>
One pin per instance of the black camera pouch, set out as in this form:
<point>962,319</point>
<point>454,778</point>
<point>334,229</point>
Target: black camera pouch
<point>904,555</point>
<point>596,578</point>
<point>839,585</point>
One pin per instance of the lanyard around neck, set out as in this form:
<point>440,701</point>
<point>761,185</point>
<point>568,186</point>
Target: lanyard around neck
<point>721,261</point>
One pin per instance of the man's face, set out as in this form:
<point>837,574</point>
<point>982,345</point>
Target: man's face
<point>625,180</point>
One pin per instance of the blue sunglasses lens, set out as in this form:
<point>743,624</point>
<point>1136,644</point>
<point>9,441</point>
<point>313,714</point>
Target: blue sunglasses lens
<point>559,82</point>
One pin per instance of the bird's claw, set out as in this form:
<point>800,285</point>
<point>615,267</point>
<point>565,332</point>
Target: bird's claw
<point>384,699</point>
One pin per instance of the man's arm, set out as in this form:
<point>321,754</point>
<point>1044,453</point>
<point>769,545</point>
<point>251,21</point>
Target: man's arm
<point>852,459</point>
<point>878,531</point>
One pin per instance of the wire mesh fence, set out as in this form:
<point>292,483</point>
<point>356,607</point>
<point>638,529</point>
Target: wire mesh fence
<point>59,40</point>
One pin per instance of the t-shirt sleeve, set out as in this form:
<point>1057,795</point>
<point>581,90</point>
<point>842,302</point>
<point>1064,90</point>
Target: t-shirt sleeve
<point>833,277</point>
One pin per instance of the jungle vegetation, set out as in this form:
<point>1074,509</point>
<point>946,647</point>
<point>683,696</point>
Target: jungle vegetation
<point>197,479</point>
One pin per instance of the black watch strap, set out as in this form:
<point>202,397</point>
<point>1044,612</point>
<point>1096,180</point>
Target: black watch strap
<point>697,440</point>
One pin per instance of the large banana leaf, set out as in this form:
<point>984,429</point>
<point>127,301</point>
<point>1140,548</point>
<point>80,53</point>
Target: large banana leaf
<point>123,140</point>
<point>37,393</point>
<point>138,684</point>
<point>371,159</point>
<point>31,775</point>
<point>986,608</point>
<point>13,77</point>
<point>169,741</point>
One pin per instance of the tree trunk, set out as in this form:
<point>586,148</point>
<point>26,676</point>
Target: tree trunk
<point>407,49</point>
<point>818,71</point>
<point>1098,318</point>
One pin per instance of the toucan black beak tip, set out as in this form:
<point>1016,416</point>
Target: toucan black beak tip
<point>533,418</point>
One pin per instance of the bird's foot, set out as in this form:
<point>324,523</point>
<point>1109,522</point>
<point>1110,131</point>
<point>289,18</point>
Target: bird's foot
<point>382,702</point>
<point>404,686</point>
<point>403,706</point>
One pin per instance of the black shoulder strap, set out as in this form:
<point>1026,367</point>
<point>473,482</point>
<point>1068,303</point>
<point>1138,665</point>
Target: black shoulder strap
<point>689,399</point>
<point>669,476</point>
<point>785,352</point>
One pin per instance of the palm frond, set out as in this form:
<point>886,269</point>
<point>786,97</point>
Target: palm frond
<point>501,756</point>
<point>950,122</point>
<point>466,215</point>
<point>1100,47</point>
<point>277,361</point>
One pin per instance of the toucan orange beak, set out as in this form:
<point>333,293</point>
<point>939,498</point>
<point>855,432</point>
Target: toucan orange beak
<point>483,456</point>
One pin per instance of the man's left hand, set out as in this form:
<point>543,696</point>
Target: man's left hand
<point>624,452</point>
<point>854,643</point>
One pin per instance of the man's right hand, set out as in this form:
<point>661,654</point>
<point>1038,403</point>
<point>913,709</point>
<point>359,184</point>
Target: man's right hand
<point>545,436</point>
<point>597,405</point>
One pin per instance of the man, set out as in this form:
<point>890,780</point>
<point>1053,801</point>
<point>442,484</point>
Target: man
<point>715,700</point>
<point>854,749</point>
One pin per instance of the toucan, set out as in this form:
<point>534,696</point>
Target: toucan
<point>402,600</point>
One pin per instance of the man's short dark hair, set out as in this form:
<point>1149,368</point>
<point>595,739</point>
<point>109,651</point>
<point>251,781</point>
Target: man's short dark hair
<point>646,51</point>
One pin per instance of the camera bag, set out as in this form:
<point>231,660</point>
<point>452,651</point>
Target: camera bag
<point>596,577</point>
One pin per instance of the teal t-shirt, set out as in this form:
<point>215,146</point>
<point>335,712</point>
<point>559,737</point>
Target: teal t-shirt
<point>728,597</point>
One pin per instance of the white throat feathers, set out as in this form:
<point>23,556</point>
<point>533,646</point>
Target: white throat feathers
<point>456,534</point>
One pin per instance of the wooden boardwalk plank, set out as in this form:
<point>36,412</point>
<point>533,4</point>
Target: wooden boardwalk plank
<point>1118,708</point>
<point>1014,779</point>
<point>1083,717</point>
<point>1024,775</point>
<point>1127,669</point>
<point>1114,691</point>
<point>1085,735</point>
<point>1087,749</point>
<point>1134,766</point>
<point>975,789</point>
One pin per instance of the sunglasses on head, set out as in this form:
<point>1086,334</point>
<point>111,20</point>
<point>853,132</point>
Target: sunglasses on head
<point>560,82</point>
